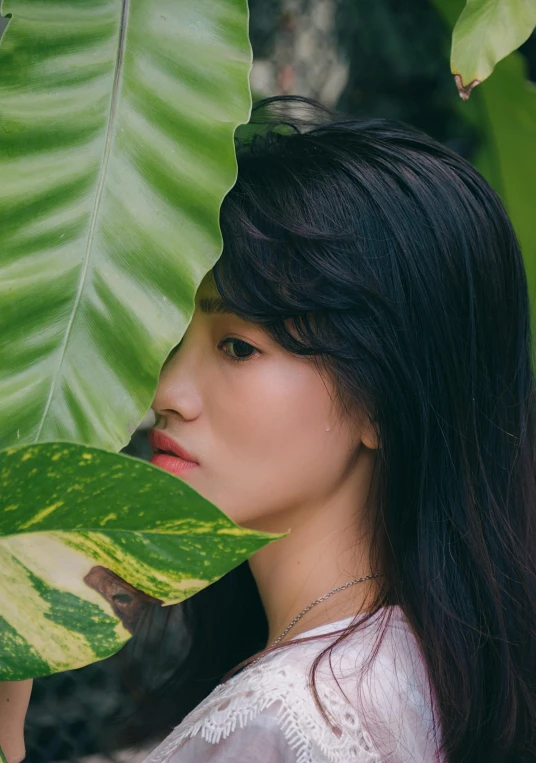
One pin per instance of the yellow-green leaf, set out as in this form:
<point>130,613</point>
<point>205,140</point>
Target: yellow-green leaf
<point>486,32</point>
<point>87,539</point>
<point>504,112</point>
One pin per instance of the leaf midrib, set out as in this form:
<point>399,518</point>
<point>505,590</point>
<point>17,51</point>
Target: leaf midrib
<point>94,213</point>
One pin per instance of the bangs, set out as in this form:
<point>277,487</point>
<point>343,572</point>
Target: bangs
<point>258,279</point>
<point>272,270</point>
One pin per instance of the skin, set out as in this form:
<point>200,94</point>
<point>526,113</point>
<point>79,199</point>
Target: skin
<point>275,455</point>
<point>14,699</point>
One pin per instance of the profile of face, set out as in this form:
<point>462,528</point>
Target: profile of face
<point>260,422</point>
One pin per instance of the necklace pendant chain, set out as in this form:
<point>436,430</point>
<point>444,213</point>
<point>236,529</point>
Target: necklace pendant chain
<point>310,606</point>
<point>322,598</point>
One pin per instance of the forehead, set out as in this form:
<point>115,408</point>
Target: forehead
<point>207,287</point>
<point>209,302</point>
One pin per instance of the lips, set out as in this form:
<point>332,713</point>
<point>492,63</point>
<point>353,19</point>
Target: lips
<point>169,455</point>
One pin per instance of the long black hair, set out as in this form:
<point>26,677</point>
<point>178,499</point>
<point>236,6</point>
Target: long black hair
<point>399,271</point>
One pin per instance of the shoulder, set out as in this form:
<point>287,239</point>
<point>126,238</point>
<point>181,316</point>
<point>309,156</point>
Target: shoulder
<point>379,684</point>
<point>271,703</point>
<point>269,706</point>
<point>394,697</point>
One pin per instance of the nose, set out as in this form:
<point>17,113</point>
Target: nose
<point>178,392</point>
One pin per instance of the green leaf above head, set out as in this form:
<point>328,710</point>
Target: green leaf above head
<point>505,113</point>
<point>503,110</point>
<point>88,539</point>
<point>486,32</point>
<point>116,151</point>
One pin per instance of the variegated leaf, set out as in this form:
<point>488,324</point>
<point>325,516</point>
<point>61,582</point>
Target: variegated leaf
<point>89,538</point>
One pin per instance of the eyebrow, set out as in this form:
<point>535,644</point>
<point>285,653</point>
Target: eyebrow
<point>217,306</point>
<point>214,305</point>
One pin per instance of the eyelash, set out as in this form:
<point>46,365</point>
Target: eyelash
<point>241,341</point>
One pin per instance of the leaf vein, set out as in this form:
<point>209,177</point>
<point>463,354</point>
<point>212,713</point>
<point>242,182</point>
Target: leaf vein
<point>94,214</point>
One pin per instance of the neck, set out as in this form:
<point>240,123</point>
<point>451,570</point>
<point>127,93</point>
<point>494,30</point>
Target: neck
<point>320,553</point>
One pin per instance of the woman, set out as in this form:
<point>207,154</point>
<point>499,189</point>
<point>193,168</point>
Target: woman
<point>358,372</point>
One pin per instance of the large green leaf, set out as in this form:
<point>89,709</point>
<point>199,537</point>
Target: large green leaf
<point>86,538</point>
<point>116,151</point>
<point>486,32</point>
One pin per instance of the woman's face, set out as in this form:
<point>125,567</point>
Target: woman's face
<point>263,429</point>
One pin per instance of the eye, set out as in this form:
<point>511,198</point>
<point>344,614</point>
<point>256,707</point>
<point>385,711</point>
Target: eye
<point>242,350</point>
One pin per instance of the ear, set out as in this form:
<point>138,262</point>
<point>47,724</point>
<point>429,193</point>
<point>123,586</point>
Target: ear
<point>369,437</point>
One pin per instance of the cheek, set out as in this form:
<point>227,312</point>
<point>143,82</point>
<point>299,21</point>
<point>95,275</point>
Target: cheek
<point>271,432</point>
<point>276,408</point>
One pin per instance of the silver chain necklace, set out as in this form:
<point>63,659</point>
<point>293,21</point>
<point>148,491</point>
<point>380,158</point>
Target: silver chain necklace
<point>310,606</point>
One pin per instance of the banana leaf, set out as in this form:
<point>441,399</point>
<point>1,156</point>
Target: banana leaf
<point>116,151</point>
<point>88,540</point>
<point>486,32</point>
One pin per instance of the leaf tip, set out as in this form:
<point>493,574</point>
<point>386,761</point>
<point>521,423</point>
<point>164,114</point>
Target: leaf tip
<point>465,90</point>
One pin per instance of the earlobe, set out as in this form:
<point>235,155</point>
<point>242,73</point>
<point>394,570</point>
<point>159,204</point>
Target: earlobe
<point>369,437</point>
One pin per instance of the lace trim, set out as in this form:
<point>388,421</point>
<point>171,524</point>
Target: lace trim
<point>248,693</point>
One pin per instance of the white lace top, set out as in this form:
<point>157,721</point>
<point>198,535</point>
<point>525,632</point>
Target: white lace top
<point>267,713</point>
